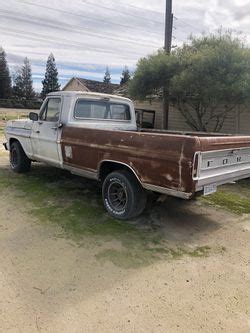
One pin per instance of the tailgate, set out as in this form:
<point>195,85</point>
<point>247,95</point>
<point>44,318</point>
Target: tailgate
<point>222,160</point>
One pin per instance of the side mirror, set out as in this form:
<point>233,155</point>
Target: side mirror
<point>33,116</point>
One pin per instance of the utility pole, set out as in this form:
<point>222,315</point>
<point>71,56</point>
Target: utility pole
<point>168,26</point>
<point>167,47</point>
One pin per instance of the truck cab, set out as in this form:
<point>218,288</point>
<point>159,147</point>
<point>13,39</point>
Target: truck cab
<point>40,135</point>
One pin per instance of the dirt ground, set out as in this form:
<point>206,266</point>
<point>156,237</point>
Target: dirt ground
<point>181,267</point>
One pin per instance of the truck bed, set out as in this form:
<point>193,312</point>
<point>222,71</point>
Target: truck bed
<point>162,160</point>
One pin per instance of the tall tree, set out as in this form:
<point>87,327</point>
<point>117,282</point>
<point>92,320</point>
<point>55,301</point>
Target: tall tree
<point>23,84</point>
<point>207,78</point>
<point>125,75</point>
<point>5,80</point>
<point>50,82</point>
<point>107,76</point>
<point>28,91</point>
<point>18,84</point>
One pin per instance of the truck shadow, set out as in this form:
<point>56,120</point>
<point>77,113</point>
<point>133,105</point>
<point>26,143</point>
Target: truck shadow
<point>172,217</point>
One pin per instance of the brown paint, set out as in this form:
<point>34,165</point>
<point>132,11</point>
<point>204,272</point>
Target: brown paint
<point>226,142</point>
<point>158,159</point>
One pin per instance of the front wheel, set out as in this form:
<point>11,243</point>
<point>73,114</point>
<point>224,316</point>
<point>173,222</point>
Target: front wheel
<point>123,196</point>
<point>19,162</point>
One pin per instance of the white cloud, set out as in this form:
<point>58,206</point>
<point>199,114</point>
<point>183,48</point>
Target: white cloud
<point>87,35</point>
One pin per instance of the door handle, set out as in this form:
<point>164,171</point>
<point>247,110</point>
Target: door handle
<point>58,126</point>
<point>37,132</point>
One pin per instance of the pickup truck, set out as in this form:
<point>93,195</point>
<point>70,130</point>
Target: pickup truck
<point>95,135</point>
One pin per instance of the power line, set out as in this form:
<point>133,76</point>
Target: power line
<point>141,8</point>
<point>186,23</point>
<point>76,29</point>
<point>60,41</point>
<point>118,11</point>
<point>84,16</point>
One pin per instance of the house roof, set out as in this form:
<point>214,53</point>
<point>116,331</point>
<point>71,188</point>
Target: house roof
<point>96,86</point>
<point>123,90</point>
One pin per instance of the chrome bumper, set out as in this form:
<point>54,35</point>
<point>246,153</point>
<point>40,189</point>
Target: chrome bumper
<point>5,146</point>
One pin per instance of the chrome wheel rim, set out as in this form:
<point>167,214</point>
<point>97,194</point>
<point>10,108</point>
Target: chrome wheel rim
<point>117,196</point>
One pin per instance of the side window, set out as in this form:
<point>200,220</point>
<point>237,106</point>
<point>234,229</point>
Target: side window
<point>101,110</point>
<point>51,111</point>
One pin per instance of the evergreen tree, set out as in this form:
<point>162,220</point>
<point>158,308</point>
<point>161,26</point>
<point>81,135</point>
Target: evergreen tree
<point>28,91</point>
<point>23,84</point>
<point>18,84</point>
<point>125,75</point>
<point>107,76</point>
<point>50,82</point>
<point>5,80</point>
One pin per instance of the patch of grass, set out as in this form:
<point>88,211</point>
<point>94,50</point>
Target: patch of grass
<point>10,115</point>
<point>75,205</point>
<point>124,258</point>
<point>233,202</point>
<point>134,259</point>
<point>72,203</point>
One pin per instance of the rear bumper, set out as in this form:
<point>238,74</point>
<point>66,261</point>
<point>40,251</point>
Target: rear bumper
<point>223,178</point>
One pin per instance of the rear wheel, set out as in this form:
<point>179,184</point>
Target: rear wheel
<point>19,162</point>
<point>123,196</point>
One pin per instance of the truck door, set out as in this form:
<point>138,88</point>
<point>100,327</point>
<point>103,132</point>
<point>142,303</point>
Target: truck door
<point>46,131</point>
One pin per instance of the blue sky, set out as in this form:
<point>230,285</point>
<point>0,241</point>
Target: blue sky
<point>85,36</point>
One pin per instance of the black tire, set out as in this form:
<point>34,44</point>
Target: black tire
<point>19,162</point>
<point>123,196</point>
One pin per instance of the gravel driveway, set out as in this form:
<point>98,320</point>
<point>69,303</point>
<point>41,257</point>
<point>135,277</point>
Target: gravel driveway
<point>181,267</point>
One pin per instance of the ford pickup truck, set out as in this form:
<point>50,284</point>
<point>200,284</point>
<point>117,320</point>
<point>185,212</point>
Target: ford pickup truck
<point>95,135</point>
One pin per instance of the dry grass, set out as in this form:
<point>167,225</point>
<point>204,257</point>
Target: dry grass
<point>8,114</point>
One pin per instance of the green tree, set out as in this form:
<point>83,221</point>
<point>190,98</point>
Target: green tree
<point>125,75</point>
<point>206,78</point>
<point>5,80</point>
<point>23,84</point>
<point>18,84</point>
<point>50,82</point>
<point>107,76</point>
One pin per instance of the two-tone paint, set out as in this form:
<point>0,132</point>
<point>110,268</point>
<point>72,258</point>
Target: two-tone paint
<point>164,162</point>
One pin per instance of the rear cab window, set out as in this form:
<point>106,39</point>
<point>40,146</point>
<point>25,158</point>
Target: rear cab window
<point>102,110</point>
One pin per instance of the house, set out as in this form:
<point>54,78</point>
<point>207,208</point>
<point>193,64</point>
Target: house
<point>238,122</point>
<point>79,84</point>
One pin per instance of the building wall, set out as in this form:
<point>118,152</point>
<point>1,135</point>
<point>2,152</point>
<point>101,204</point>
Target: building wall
<point>75,85</point>
<point>178,122</point>
<point>244,121</point>
<point>238,121</point>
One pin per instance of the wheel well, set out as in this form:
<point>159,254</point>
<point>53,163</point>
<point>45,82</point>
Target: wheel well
<point>107,167</point>
<point>13,140</point>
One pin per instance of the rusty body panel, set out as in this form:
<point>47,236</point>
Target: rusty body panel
<point>158,159</point>
<point>222,143</point>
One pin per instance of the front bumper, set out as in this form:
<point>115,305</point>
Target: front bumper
<point>5,146</point>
